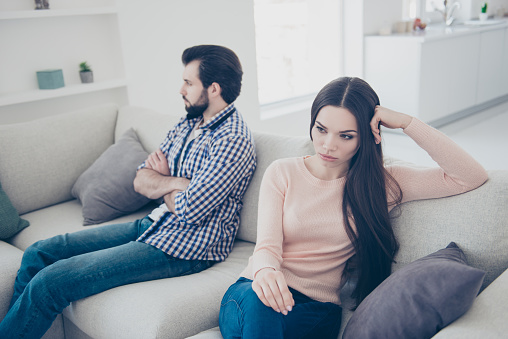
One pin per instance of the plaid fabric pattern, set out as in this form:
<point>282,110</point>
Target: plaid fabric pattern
<point>219,164</point>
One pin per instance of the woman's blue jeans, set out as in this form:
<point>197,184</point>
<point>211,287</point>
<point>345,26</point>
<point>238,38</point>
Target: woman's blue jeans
<point>57,271</point>
<point>243,315</point>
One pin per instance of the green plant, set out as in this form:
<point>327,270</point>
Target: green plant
<point>84,67</point>
<point>484,7</point>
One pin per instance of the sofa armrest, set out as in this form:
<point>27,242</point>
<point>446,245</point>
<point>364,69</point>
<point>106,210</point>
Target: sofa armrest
<point>10,259</point>
<point>486,318</point>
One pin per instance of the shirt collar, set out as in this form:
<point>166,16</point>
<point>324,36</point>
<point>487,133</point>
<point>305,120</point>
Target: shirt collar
<point>218,118</point>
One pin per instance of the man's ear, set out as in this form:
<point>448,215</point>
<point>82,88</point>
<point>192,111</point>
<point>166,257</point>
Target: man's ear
<point>214,90</point>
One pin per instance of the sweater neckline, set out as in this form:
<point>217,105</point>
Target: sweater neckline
<point>316,181</point>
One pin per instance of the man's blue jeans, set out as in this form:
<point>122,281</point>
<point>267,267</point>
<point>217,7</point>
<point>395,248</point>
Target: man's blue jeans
<point>243,315</point>
<point>56,271</point>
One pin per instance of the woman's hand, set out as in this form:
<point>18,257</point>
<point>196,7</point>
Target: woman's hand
<point>157,161</point>
<point>272,289</point>
<point>388,118</point>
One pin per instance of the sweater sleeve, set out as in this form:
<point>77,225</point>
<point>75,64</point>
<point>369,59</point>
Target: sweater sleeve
<point>268,250</point>
<point>457,173</point>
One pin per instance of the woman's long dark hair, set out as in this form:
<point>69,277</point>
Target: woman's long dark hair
<point>365,199</point>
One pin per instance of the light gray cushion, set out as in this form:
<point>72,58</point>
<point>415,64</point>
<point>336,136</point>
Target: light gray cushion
<point>106,188</point>
<point>477,221</point>
<point>166,308</point>
<point>486,318</point>
<point>62,218</point>
<point>40,160</point>
<point>419,299</point>
<point>10,222</point>
<point>269,147</point>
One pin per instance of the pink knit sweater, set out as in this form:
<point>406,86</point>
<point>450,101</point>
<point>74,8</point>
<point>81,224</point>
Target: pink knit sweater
<point>300,226</point>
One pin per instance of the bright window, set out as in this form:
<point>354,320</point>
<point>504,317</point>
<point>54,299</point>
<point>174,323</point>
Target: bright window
<point>298,47</point>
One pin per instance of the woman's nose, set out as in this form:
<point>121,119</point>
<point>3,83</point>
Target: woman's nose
<point>329,145</point>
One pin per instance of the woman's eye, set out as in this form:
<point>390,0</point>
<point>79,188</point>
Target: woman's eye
<point>346,136</point>
<point>320,129</point>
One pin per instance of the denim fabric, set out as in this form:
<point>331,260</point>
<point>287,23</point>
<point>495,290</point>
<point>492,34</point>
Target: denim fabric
<point>243,315</point>
<point>56,271</point>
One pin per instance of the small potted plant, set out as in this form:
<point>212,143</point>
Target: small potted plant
<point>483,15</point>
<point>85,73</point>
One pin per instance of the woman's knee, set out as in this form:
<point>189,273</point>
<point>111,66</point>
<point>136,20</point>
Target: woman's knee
<point>242,310</point>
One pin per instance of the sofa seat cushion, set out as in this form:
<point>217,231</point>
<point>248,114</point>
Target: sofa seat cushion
<point>60,219</point>
<point>166,308</point>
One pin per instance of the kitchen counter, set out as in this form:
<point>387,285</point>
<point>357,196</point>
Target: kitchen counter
<point>441,31</point>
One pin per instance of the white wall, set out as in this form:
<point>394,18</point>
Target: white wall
<point>154,34</point>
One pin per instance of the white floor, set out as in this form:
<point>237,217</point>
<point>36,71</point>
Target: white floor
<point>484,135</point>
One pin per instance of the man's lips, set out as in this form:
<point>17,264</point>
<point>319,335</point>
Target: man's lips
<point>327,157</point>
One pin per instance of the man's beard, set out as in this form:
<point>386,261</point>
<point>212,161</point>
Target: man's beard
<point>197,110</point>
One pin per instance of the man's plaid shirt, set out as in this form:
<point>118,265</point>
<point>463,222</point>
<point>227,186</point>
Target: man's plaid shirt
<point>219,163</point>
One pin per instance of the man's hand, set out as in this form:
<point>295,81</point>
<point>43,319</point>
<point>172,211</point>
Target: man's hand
<point>157,161</point>
<point>272,289</point>
<point>154,185</point>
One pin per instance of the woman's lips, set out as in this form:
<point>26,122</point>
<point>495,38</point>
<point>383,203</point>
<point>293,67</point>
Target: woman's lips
<point>327,157</point>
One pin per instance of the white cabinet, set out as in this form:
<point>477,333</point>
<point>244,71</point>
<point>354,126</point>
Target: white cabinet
<point>448,73</point>
<point>505,63</point>
<point>441,74</point>
<point>490,77</point>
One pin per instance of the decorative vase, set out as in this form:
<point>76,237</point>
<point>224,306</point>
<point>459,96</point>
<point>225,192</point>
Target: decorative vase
<point>86,77</point>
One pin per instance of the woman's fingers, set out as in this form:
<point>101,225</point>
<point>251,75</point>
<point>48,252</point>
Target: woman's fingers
<point>272,290</point>
<point>374,126</point>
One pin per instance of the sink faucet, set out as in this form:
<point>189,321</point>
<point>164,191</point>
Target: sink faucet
<point>448,11</point>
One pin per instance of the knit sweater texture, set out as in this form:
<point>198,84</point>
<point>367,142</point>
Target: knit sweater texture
<point>300,224</point>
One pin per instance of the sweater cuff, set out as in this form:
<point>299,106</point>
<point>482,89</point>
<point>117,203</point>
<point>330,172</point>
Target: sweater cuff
<point>418,130</point>
<point>262,260</point>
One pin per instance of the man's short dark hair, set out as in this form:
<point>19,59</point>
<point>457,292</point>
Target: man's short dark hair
<point>217,64</point>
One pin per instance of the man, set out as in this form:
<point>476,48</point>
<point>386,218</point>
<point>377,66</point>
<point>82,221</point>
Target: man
<point>200,172</point>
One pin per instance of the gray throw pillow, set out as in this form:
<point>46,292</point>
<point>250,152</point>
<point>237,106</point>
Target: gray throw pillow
<point>106,188</point>
<point>10,222</point>
<point>419,299</point>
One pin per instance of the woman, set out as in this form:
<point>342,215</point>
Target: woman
<point>317,213</point>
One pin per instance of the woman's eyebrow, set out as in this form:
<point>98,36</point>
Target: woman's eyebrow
<point>320,124</point>
<point>345,131</point>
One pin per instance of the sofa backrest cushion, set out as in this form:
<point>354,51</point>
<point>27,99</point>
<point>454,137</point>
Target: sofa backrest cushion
<point>40,160</point>
<point>269,147</point>
<point>477,221</point>
<point>151,127</point>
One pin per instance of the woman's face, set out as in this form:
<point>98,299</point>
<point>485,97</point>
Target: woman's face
<point>335,137</point>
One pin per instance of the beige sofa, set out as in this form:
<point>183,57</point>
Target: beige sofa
<point>41,160</point>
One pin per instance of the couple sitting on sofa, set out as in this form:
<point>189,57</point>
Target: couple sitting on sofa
<point>335,206</point>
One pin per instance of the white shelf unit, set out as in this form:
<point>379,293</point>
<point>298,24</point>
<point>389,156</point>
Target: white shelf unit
<point>48,13</point>
<point>35,95</point>
<point>34,40</point>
